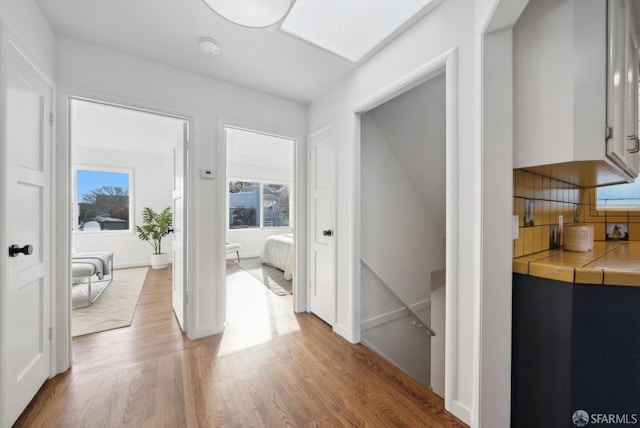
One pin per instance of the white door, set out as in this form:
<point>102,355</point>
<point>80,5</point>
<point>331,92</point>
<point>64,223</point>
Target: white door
<point>178,278</point>
<point>25,280</point>
<point>322,194</point>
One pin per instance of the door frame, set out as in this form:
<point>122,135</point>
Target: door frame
<point>299,228</point>
<point>445,63</point>
<point>62,335</point>
<point>493,305</point>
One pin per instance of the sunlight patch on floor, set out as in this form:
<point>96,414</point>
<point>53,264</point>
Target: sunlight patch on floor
<point>254,314</point>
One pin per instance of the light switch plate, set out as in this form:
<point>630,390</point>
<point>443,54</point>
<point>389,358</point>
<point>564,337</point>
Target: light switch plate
<point>515,227</point>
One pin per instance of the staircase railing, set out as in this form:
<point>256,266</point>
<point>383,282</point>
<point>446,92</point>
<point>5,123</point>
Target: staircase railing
<point>420,323</point>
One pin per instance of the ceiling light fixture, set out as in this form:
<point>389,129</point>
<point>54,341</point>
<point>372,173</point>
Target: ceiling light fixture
<point>251,13</point>
<point>209,46</point>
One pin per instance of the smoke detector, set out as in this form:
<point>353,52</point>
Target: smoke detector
<point>209,46</point>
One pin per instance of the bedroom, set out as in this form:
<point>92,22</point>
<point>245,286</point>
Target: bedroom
<point>260,213</point>
<point>122,163</point>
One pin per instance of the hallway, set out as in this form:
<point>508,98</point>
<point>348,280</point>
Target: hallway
<point>270,368</point>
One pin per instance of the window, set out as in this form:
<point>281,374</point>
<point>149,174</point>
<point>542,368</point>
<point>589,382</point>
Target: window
<point>275,203</point>
<point>255,204</point>
<point>102,200</point>
<point>620,196</point>
<point>244,205</point>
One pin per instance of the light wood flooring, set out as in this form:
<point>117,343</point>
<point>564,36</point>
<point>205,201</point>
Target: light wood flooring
<point>271,368</point>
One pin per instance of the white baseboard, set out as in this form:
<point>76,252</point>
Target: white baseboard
<point>461,412</point>
<point>204,332</point>
<point>347,334</point>
<point>132,265</point>
<point>394,315</point>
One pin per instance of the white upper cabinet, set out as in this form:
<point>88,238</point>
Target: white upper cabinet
<point>631,98</point>
<point>575,91</point>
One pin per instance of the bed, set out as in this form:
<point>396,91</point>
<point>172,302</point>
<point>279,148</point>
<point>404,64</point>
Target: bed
<point>278,252</point>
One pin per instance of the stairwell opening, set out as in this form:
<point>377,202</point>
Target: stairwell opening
<point>403,230</point>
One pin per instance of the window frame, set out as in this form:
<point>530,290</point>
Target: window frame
<point>76,207</point>
<point>261,183</point>
<point>617,207</point>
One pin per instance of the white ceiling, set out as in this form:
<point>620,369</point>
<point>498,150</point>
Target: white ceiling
<point>108,127</point>
<point>167,32</point>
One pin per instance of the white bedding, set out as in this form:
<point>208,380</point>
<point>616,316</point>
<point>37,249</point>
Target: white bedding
<point>278,252</point>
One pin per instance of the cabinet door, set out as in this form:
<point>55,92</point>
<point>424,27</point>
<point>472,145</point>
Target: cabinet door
<point>633,144</point>
<point>616,82</point>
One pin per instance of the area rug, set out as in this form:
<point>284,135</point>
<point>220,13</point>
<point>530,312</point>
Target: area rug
<point>271,277</point>
<point>114,309</point>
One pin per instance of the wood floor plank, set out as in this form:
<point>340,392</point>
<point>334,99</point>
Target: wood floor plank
<point>271,368</point>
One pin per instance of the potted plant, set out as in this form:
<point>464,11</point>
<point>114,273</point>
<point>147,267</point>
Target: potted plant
<point>156,226</point>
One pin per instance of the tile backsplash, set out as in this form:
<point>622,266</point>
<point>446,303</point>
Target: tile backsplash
<point>590,215</point>
<point>538,200</point>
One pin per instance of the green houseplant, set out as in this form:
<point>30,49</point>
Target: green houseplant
<point>155,226</point>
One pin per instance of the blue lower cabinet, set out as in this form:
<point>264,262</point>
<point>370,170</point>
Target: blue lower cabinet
<point>575,354</point>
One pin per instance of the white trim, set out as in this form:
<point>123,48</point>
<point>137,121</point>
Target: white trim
<point>204,332</point>
<point>447,63</point>
<point>342,331</point>
<point>461,411</point>
<point>141,263</point>
<point>387,317</point>
<point>491,394</point>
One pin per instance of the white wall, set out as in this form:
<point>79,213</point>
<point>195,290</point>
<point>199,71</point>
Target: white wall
<point>414,125</point>
<point>151,188</point>
<point>450,25</point>
<point>95,72</point>
<point>400,239</point>
<point>494,190</point>
<point>25,20</point>
<point>388,329</point>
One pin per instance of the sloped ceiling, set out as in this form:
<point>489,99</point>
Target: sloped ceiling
<point>414,126</point>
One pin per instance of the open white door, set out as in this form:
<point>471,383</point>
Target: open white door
<point>322,287</point>
<point>25,234</point>
<point>180,299</point>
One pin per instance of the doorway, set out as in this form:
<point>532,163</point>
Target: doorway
<point>402,261</point>
<point>259,232</point>
<point>421,292</point>
<point>127,164</point>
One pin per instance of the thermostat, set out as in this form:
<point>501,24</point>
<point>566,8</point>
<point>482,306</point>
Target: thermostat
<point>207,173</point>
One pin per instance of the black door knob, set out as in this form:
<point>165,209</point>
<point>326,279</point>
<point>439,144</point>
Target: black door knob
<point>16,250</point>
<point>170,230</point>
<point>327,232</point>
